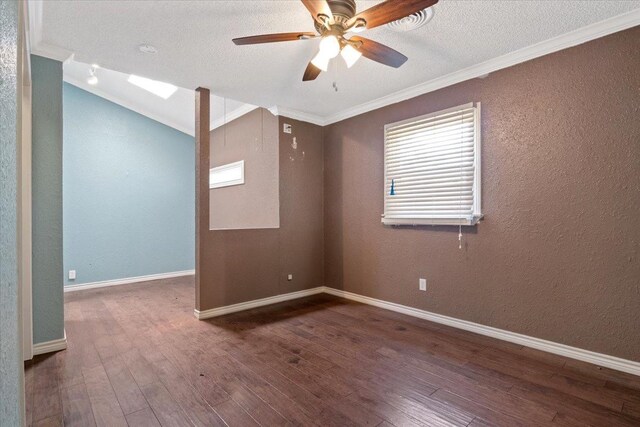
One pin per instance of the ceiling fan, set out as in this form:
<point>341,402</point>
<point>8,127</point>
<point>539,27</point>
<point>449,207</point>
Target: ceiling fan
<point>335,20</point>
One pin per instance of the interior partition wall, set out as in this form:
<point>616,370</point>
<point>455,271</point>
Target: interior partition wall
<point>11,371</point>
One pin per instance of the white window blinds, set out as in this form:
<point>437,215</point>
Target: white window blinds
<point>432,168</point>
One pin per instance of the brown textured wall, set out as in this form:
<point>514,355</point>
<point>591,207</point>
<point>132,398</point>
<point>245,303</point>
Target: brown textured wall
<point>301,206</point>
<point>244,265</point>
<point>557,256</point>
<point>254,139</point>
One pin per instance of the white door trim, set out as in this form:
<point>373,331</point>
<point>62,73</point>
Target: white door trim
<point>24,255</point>
<point>25,225</point>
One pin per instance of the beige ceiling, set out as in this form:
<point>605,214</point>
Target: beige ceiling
<point>195,49</point>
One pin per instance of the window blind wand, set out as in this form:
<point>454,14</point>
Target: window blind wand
<point>460,236</point>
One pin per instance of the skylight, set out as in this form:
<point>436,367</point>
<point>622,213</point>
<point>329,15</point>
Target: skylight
<point>161,89</point>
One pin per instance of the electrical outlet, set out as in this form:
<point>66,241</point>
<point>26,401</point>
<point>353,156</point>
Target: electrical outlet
<point>422,284</point>
<point>72,275</point>
<point>290,277</point>
<point>286,128</point>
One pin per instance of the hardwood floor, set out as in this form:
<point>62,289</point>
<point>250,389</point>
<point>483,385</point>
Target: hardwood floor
<point>137,356</point>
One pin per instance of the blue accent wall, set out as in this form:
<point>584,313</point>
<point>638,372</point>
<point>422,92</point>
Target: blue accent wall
<point>46,178</point>
<point>10,352</point>
<point>129,188</point>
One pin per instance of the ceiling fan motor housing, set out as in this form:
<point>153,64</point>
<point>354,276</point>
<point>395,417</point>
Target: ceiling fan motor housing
<point>342,11</point>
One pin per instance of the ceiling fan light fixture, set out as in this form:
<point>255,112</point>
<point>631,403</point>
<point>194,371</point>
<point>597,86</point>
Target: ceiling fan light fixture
<point>321,61</point>
<point>335,20</point>
<point>330,46</point>
<point>350,55</point>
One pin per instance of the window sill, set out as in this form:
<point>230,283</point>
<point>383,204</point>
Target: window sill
<point>433,221</point>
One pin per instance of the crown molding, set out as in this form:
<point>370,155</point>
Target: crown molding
<point>231,116</point>
<point>564,41</point>
<point>277,110</point>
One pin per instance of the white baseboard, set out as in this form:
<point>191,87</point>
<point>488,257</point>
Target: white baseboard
<point>220,311</point>
<point>128,280</point>
<point>50,346</point>
<point>599,359</point>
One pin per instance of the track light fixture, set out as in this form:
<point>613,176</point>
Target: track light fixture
<point>93,79</point>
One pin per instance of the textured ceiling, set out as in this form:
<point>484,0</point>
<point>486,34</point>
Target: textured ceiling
<point>177,111</point>
<point>195,48</point>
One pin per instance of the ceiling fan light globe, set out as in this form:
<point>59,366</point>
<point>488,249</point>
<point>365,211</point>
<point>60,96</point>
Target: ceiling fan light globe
<point>350,55</point>
<point>330,46</point>
<point>321,61</point>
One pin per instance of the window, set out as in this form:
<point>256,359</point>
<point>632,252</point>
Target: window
<point>227,175</point>
<point>432,168</point>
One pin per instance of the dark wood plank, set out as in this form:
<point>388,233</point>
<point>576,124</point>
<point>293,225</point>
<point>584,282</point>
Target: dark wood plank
<point>319,360</point>
<point>104,403</point>
<point>486,414</point>
<point>167,411</point>
<point>255,407</point>
<point>139,368</point>
<point>234,415</point>
<point>377,404</point>
<point>571,406</point>
<point>632,409</point>
<point>28,391</point>
<point>232,375</point>
<point>46,396</point>
<point>129,395</point>
<point>196,408</point>
<point>143,418</point>
<point>77,406</point>
<point>53,421</point>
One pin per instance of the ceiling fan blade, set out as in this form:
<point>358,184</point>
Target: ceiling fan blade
<point>311,73</point>
<point>272,38</point>
<point>379,52</point>
<point>389,11</point>
<point>318,7</point>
